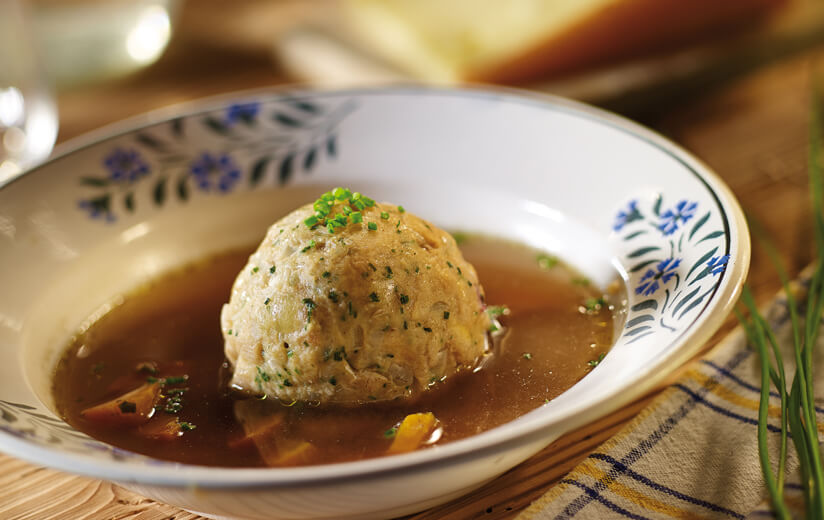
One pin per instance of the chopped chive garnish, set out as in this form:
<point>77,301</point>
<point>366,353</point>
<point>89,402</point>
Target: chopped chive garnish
<point>446,315</point>
<point>127,407</point>
<point>372,226</point>
<point>497,310</point>
<point>310,307</point>
<point>308,247</point>
<point>186,426</point>
<point>594,304</point>
<point>326,274</point>
<point>527,355</point>
<point>255,269</point>
<point>373,297</point>
<point>595,362</point>
<point>341,193</point>
<point>390,433</point>
<point>401,210</point>
<point>546,261</point>
<point>272,270</point>
<point>350,204</point>
<point>311,221</point>
<point>266,301</point>
<point>404,299</point>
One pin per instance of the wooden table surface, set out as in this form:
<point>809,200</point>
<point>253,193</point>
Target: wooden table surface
<point>751,131</point>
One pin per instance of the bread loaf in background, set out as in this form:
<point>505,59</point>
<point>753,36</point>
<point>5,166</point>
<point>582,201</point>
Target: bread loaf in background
<point>511,41</point>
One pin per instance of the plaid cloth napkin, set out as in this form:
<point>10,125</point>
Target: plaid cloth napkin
<point>693,452</point>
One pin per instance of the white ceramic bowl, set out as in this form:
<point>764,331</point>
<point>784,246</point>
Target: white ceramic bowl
<point>134,200</point>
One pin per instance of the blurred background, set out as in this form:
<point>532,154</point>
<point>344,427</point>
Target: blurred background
<point>70,66</point>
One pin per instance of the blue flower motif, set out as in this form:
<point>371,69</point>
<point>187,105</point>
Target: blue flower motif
<point>246,112</point>
<point>215,172</point>
<point>663,272</point>
<point>672,219</point>
<point>717,264</point>
<point>125,165</point>
<point>98,208</point>
<point>625,216</point>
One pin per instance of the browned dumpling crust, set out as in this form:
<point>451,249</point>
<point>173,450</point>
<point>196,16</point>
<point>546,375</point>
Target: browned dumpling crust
<point>381,309</point>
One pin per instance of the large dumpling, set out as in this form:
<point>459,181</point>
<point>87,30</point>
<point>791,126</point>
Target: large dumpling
<point>349,301</point>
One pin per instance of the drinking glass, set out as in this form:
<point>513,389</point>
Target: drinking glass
<point>28,116</point>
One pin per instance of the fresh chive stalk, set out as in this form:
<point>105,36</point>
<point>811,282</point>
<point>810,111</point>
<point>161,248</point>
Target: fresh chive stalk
<point>798,416</point>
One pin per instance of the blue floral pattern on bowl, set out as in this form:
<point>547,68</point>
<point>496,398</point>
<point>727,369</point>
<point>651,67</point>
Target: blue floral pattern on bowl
<point>658,263</point>
<point>290,136</point>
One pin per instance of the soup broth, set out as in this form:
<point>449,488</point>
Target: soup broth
<point>556,328</point>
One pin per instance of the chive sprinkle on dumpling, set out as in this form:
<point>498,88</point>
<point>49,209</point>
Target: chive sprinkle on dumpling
<point>347,301</point>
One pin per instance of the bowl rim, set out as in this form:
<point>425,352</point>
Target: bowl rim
<point>500,439</point>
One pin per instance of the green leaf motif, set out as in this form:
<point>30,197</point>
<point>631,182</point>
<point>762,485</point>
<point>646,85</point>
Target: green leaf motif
<point>183,188</point>
<point>696,302</point>
<point>7,416</point>
<point>657,207</point>
<point>639,319</point>
<point>128,201</point>
<point>259,170</point>
<point>644,305</point>
<point>285,170</point>
<point>714,234</point>
<point>177,127</point>
<point>216,126</point>
<point>684,300</point>
<point>304,106</point>
<point>697,226</point>
<point>331,146</point>
<point>643,251</point>
<point>94,181</point>
<point>287,120</point>
<point>309,160</point>
<point>159,192</point>
<point>639,330</point>
<point>701,261</point>
<point>636,234</point>
<point>703,274</point>
<point>638,267</point>
<point>149,141</point>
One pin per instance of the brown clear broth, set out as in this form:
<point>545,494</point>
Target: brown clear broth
<point>548,343</point>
